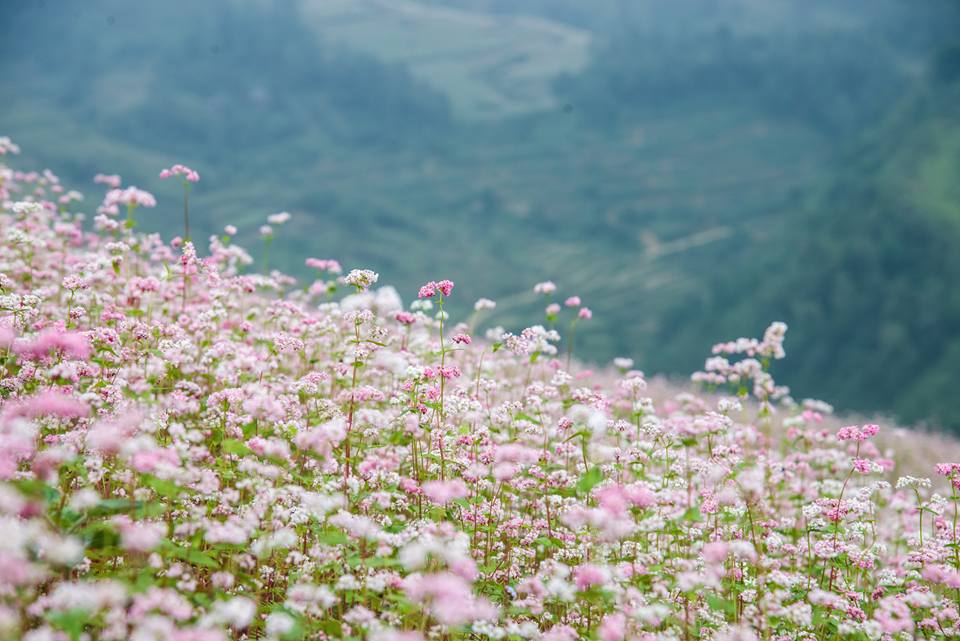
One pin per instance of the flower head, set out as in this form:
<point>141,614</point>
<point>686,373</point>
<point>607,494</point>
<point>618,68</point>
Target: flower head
<point>188,175</point>
<point>362,279</point>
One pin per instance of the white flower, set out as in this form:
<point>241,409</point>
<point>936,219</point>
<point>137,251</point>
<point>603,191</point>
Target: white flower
<point>279,624</point>
<point>361,278</point>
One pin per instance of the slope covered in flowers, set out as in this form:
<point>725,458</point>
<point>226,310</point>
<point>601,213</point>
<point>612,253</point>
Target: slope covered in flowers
<point>193,452</point>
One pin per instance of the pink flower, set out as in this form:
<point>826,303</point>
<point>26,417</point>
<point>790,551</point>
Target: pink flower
<point>7,337</point>
<point>613,627</point>
<point>68,343</point>
<point>853,433</point>
<point>111,180</point>
<point>588,575</point>
<point>189,175</point>
<point>51,403</point>
<point>546,288</point>
<point>462,339</point>
<point>445,287</point>
<point>395,635</point>
<point>7,146</point>
<point>449,598</point>
<point>560,633</point>
<point>442,492</point>
<point>715,552</point>
<point>139,536</point>
<point>324,265</point>
<point>150,461</point>
<point>585,313</point>
<point>573,301</point>
<point>130,197</point>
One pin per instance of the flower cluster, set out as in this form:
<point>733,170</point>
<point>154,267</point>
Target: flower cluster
<point>247,458</point>
<point>186,174</point>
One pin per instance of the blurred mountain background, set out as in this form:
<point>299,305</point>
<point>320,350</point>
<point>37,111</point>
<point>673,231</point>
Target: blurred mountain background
<point>692,168</point>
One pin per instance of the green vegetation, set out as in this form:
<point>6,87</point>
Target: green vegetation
<point>686,169</point>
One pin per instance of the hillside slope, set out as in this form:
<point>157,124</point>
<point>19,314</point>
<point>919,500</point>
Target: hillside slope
<point>866,276</point>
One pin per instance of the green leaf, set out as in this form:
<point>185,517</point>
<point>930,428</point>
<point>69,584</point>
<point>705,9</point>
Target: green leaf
<point>72,622</point>
<point>164,487</point>
<point>720,604</point>
<point>233,446</point>
<point>590,479</point>
<point>332,537</point>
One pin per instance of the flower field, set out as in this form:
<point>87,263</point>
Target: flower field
<point>192,451</point>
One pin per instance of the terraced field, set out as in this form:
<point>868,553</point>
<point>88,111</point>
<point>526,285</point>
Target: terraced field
<point>490,66</point>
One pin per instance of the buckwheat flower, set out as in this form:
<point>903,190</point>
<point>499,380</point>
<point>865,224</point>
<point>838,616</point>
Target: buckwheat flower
<point>222,580</point>
<point>395,635</point>
<point>279,623</point>
<point>484,303</point>
<point>362,279</point>
<point>445,287</point>
<point>854,433</point>
<point>68,343</point>
<point>230,230</point>
<point>715,552</point>
<point>553,309</point>
<point>585,313</point>
<point>587,575</point>
<point>266,230</point>
<point>324,265</point>
<point>130,197</point>
<point>546,288</point>
<point>462,339</point>
<point>449,598</point>
<point>236,613</point>
<point>573,301</point>
<point>736,633</point>
<point>278,218</point>
<point>65,551</point>
<point>428,290</point>
<point>561,633</point>
<point>110,180</point>
<point>442,492</point>
<point>913,482</point>
<point>50,403</point>
<point>7,146</point>
<point>139,536</point>
<point>84,499</point>
<point>188,175</point>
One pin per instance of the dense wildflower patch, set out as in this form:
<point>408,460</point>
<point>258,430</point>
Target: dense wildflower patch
<point>191,451</point>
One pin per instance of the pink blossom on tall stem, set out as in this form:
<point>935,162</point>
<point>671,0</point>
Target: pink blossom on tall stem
<point>324,265</point>
<point>546,288</point>
<point>187,176</point>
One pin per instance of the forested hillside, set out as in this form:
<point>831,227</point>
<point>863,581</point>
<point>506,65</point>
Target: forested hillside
<point>693,169</point>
